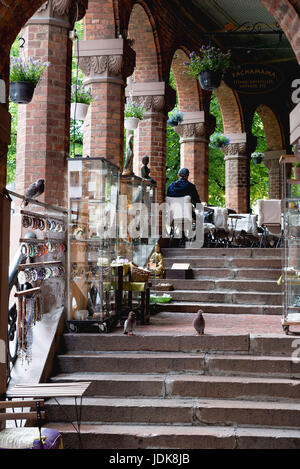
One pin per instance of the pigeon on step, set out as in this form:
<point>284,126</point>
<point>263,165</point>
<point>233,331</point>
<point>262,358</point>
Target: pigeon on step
<point>129,324</point>
<point>34,190</point>
<point>199,323</point>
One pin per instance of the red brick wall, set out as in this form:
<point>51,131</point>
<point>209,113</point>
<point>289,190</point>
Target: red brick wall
<point>236,182</point>
<point>194,156</point>
<point>150,139</point>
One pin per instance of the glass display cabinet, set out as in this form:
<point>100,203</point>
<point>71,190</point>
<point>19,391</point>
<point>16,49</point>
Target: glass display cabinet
<point>137,236</point>
<point>92,245</point>
<point>291,263</point>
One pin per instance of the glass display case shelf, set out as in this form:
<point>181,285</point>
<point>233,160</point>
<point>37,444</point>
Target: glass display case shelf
<point>291,251</point>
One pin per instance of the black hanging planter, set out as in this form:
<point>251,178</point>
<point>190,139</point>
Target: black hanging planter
<point>257,159</point>
<point>210,80</point>
<point>21,92</point>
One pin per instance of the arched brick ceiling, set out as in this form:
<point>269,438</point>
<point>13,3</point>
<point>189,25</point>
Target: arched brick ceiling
<point>186,85</point>
<point>230,109</point>
<point>271,127</point>
<point>141,31</point>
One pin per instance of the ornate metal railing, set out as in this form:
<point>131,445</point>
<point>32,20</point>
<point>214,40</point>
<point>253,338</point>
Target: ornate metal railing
<point>12,343</point>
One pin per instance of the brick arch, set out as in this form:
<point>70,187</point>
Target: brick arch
<point>142,29</point>
<point>272,127</point>
<point>233,120</point>
<point>287,14</point>
<point>187,86</point>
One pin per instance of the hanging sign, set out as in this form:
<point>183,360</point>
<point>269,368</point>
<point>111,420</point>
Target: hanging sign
<point>253,78</point>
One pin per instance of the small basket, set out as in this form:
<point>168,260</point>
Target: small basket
<point>164,287</point>
<point>138,274</point>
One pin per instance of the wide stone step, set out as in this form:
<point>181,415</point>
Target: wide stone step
<point>172,362</point>
<point>223,252</point>
<point>222,308</point>
<point>176,437</point>
<point>244,365</point>
<point>185,385</point>
<point>227,285</point>
<point>158,343</point>
<point>129,361</point>
<point>239,274</point>
<point>253,344</point>
<point>237,298</point>
<point>179,411</point>
<point>226,262</point>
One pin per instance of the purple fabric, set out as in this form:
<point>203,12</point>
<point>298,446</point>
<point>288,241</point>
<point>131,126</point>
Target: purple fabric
<point>51,439</point>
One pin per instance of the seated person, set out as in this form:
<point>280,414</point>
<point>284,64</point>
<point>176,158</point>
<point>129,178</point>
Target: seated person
<point>183,187</point>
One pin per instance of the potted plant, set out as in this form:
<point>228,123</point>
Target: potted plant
<point>257,157</point>
<point>81,98</point>
<point>219,140</point>
<point>175,117</point>
<point>133,113</point>
<point>24,76</point>
<point>296,171</point>
<point>209,66</point>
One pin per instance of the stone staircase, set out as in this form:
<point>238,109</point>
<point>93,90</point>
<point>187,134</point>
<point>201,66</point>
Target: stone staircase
<point>232,281</point>
<point>167,388</point>
<point>180,391</point>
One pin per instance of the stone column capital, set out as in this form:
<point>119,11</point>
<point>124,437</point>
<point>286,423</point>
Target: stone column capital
<point>156,97</point>
<point>271,159</point>
<point>61,13</point>
<point>194,131</point>
<point>103,60</point>
<point>237,148</point>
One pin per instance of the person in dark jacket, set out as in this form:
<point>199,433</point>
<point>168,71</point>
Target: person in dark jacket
<point>183,187</point>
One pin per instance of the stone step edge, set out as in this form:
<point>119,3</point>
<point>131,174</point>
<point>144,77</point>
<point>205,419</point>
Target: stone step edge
<point>205,402</point>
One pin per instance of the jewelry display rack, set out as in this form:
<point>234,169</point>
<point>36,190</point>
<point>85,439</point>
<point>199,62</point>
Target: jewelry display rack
<point>45,260</point>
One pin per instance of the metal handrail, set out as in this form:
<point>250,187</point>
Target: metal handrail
<point>12,312</point>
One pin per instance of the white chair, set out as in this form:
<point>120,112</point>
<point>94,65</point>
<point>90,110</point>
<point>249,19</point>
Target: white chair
<point>270,220</point>
<point>180,216</point>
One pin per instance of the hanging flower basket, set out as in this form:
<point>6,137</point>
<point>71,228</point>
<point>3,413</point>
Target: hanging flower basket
<point>81,98</point>
<point>21,92</point>
<point>257,157</point>
<point>24,76</point>
<point>175,118</point>
<point>79,111</point>
<point>131,123</point>
<point>133,113</point>
<point>210,81</point>
<point>219,140</point>
<point>209,66</point>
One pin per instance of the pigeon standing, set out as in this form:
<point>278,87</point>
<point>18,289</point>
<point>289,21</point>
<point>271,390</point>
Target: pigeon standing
<point>129,324</point>
<point>199,323</point>
<point>34,190</point>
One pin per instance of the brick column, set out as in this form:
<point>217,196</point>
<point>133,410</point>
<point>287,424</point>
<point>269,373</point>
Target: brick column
<point>44,124</point>
<point>194,150</point>
<point>271,161</point>
<point>5,121</point>
<point>150,136</point>
<point>237,174</point>
<point>105,63</point>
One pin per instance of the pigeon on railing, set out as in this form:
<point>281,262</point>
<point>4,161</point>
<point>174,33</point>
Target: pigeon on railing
<point>34,190</point>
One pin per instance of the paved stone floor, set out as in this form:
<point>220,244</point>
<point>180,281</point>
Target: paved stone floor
<point>182,323</point>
